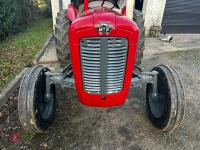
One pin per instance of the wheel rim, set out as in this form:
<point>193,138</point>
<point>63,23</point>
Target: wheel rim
<point>159,109</point>
<point>156,106</point>
<point>45,107</point>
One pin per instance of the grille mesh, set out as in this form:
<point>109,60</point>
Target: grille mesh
<point>103,62</point>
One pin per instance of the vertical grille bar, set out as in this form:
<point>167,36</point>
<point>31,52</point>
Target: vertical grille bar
<point>103,62</point>
<point>104,47</point>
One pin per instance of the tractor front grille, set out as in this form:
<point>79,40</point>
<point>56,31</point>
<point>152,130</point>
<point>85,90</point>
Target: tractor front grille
<point>103,62</point>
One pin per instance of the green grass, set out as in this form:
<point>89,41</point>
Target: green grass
<point>18,51</point>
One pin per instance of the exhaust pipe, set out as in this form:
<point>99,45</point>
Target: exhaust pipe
<point>130,6</point>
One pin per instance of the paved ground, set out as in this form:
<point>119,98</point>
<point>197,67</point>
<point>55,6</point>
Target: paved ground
<point>179,43</point>
<point>125,127</point>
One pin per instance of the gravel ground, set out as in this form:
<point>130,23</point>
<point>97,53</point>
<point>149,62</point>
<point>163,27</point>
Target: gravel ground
<point>125,127</point>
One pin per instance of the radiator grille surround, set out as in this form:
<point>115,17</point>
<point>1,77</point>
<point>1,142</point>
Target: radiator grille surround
<point>103,64</point>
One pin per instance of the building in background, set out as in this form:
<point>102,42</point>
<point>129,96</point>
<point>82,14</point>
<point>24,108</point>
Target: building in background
<point>174,16</point>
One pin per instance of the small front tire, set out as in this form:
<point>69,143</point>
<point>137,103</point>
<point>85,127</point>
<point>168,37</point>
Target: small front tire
<point>36,113</point>
<point>166,112</point>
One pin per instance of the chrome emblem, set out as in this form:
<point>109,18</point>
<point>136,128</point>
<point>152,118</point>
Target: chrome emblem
<point>104,27</point>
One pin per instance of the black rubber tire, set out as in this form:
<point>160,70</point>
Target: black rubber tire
<point>139,20</point>
<point>168,111</point>
<point>35,114</point>
<point>61,38</point>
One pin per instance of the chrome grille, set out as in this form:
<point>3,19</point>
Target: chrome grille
<point>103,62</point>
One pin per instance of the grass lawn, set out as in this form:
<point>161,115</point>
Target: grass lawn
<point>18,51</point>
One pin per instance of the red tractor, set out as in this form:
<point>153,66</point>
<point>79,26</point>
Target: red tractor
<point>99,46</point>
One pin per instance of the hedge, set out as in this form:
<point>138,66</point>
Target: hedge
<point>15,15</point>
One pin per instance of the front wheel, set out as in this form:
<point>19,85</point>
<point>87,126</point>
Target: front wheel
<point>36,112</point>
<point>166,110</point>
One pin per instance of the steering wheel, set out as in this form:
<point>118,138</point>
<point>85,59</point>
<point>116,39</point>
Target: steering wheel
<point>103,3</point>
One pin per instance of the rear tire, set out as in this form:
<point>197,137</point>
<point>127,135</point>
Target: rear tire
<point>61,39</point>
<point>139,20</point>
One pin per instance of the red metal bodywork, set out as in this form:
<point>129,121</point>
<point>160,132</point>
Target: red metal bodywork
<point>72,13</point>
<point>85,26</point>
<point>85,5</point>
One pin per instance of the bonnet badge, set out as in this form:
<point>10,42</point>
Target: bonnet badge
<point>104,27</point>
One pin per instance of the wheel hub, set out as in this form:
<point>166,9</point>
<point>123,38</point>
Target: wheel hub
<point>156,105</point>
